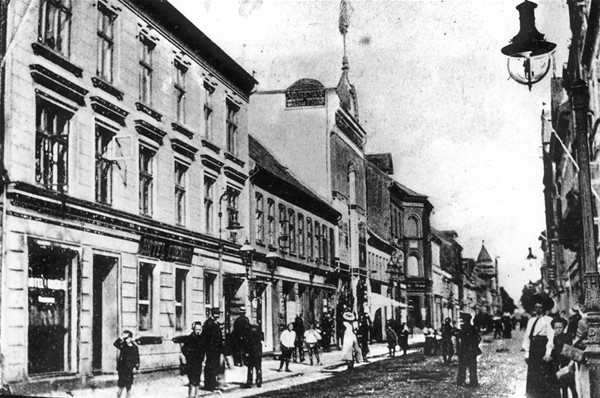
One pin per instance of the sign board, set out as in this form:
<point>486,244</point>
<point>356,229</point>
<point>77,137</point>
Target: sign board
<point>165,250</point>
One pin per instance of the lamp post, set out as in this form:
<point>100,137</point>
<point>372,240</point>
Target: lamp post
<point>272,259</point>
<point>247,255</point>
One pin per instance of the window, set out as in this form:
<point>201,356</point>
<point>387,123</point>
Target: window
<point>103,166</point>
<point>309,239</point>
<point>146,49</point>
<point>412,266</point>
<point>208,109</point>
<point>232,115</point>
<point>412,227</point>
<point>259,231</point>
<point>51,145</point>
<point>317,241</point>
<point>301,248</point>
<point>145,278</point>
<point>209,289</point>
<point>180,72</point>
<point>331,247</point>
<point>325,244</point>
<point>208,203</point>
<point>271,221</point>
<point>146,178</point>
<point>54,27</point>
<point>106,20</point>
<point>180,302</point>
<point>283,224</point>
<point>233,199</point>
<point>292,230</point>
<point>180,174</point>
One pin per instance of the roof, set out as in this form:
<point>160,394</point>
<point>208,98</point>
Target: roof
<point>383,161</point>
<point>484,256</point>
<point>485,265</point>
<point>275,177</point>
<point>407,191</point>
<point>183,29</point>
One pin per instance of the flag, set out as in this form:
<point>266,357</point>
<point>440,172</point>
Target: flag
<point>343,23</point>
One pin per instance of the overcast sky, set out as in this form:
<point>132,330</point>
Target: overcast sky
<point>433,90</point>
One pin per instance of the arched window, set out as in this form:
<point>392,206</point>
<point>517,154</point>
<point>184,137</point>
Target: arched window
<point>412,227</point>
<point>412,266</point>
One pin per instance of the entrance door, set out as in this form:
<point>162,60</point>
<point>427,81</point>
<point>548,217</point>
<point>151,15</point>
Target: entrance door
<point>105,320</point>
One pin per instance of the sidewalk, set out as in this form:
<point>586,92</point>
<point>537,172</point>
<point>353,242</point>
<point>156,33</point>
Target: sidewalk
<point>175,385</point>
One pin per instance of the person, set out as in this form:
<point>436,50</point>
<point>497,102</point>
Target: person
<point>127,361</point>
<point>467,350</point>
<point>193,350</point>
<point>447,347</point>
<point>237,338</point>
<point>213,348</point>
<point>537,344</point>
<point>350,347</point>
<point>327,330</point>
<point>364,333</point>
<point>573,321</point>
<point>392,339</point>
<point>299,343</point>
<point>507,326</point>
<point>403,337</point>
<point>287,341</point>
<point>497,324</point>
<point>253,355</point>
<point>558,361</point>
<point>312,337</point>
<point>429,339</point>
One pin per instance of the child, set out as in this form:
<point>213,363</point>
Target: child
<point>312,337</point>
<point>558,361</point>
<point>129,359</point>
<point>392,339</point>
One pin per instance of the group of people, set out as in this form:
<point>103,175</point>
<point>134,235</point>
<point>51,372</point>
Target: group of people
<point>550,371</point>
<point>396,335</point>
<point>292,342</point>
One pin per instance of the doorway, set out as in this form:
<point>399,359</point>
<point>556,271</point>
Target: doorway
<point>105,315</point>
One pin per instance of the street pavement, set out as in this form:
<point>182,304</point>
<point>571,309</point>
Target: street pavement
<point>502,373</point>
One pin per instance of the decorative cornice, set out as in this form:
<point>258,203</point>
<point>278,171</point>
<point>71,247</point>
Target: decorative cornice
<point>235,175</point>
<point>211,163</point>
<point>148,111</point>
<point>346,126</point>
<point>58,83</point>
<point>101,84</point>
<point>211,146</point>
<point>51,55</point>
<point>234,159</point>
<point>183,148</point>
<point>183,130</point>
<point>109,110</point>
<point>149,131</point>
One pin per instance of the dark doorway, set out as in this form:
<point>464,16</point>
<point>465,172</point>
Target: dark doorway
<point>105,321</point>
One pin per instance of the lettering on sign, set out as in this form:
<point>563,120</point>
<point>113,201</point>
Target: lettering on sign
<point>300,98</point>
<point>165,250</point>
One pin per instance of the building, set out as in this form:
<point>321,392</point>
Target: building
<point>446,257</point>
<point>294,272</point>
<point>125,197</point>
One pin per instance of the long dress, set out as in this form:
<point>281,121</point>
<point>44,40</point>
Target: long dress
<point>350,348</point>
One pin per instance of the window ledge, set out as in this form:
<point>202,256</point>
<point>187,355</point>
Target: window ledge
<point>259,243</point>
<point>183,130</point>
<point>109,88</point>
<point>148,111</point>
<point>211,146</point>
<point>58,59</point>
<point>234,159</point>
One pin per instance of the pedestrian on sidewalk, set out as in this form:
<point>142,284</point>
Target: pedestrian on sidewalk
<point>364,335</point>
<point>299,343</point>
<point>538,344</point>
<point>498,326</point>
<point>213,347</point>
<point>253,355</point>
<point>403,338</point>
<point>507,326</point>
<point>350,347</point>
<point>392,339</point>
<point>327,330</point>
<point>192,349</point>
<point>429,339</point>
<point>237,338</point>
<point>287,341</point>
<point>312,337</point>
<point>127,362</point>
<point>447,347</point>
<point>559,361</point>
<point>467,350</point>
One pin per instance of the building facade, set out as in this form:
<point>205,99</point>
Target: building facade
<point>125,148</point>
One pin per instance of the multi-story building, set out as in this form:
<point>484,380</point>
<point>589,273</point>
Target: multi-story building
<point>445,263</point>
<point>125,149</point>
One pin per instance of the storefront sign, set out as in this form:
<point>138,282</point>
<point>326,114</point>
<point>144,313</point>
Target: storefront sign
<point>306,97</point>
<point>417,286</point>
<point>165,250</point>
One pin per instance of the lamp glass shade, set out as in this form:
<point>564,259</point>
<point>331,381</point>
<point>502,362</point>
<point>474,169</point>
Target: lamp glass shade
<point>246,252</point>
<point>528,69</point>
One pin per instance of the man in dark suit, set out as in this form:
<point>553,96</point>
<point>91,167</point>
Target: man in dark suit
<point>253,355</point>
<point>213,345</point>
<point>467,350</point>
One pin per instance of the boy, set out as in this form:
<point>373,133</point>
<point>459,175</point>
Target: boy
<point>128,360</point>
<point>558,361</point>
<point>312,337</point>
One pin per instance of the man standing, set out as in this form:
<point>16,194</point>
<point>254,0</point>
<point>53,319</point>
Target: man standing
<point>327,330</point>
<point>447,348</point>
<point>538,344</point>
<point>364,335</point>
<point>467,350</point>
<point>299,343</point>
<point>213,345</point>
<point>193,351</point>
<point>253,354</point>
<point>128,360</point>
<point>287,341</point>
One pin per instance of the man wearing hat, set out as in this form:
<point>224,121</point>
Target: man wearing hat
<point>538,344</point>
<point>467,350</point>
<point>213,344</point>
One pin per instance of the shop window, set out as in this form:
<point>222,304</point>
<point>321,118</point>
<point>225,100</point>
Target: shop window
<point>145,70</point>
<point>292,230</point>
<point>271,221</point>
<point>208,203</point>
<point>145,280</point>
<point>104,172</point>
<point>301,247</point>
<point>180,298</point>
<point>180,73</point>
<point>232,127</point>
<point>106,21</point>
<point>208,110</point>
<point>55,24</point>
<point>259,231</point>
<point>146,180</point>
<point>180,183</point>
<point>52,145</point>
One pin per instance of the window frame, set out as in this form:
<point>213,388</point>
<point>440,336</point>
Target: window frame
<point>300,235</point>
<point>271,221</point>
<point>180,183</point>
<point>208,110</point>
<point>149,301</point>
<point>259,217</point>
<point>310,238</point>
<point>108,38</point>
<point>146,70</point>
<point>232,127</point>
<point>181,301</point>
<point>146,177</point>
<point>233,206</point>
<point>104,165</point>
<point>209,200</point>
<point>292,230</point>
<point>179,87</point>
<point>62,8</point>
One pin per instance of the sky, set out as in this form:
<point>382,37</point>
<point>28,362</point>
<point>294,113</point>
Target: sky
<point>433,89</point>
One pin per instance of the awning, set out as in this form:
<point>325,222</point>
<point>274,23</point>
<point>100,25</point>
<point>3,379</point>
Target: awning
<point>378,301</point>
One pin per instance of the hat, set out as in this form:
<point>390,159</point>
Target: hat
<point>466,317</point>
<point>543,299</point>
<point>558,320</point>
<point>215,311</point>
<point>348,316</point>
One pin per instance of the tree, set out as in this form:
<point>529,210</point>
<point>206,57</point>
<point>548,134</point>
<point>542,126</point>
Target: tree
<point>508,304</point>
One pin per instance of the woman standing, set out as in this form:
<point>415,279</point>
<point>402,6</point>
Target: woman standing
<point>350,347</point>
